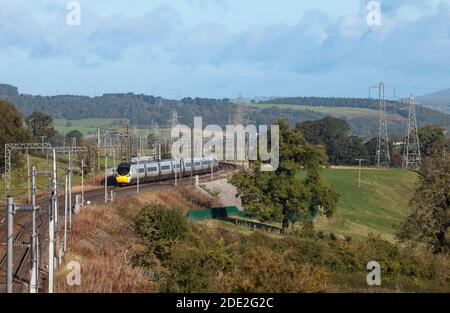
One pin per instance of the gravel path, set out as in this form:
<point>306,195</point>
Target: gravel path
<point>226,192</point>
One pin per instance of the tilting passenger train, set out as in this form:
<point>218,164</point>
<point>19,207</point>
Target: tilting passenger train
<point>155,170</point>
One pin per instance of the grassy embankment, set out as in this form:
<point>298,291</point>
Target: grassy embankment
<point>378,207</point>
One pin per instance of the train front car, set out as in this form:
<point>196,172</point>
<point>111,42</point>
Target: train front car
<point>123,176</point>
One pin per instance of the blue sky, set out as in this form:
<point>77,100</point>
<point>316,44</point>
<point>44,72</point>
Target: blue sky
<point>222,48</point>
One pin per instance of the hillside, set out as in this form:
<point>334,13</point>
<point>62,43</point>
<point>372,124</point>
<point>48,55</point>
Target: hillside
<point>362,116</point>
<point>439,100</point>
<point>145,111</point>
<point>378,207</point>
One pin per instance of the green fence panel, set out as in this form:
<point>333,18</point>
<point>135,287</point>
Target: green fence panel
<point>213,213</point>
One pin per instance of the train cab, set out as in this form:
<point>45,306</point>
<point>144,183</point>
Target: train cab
<point>123,173</point>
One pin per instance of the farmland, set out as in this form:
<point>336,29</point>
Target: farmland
<point>90,125</point>
<point>377,207</point>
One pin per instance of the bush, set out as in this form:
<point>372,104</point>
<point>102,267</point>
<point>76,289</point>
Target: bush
<point>201,258</point>
<point>263,270</point>
<point>203,262</point>
<point>158,223</point>
<point>159,227</point>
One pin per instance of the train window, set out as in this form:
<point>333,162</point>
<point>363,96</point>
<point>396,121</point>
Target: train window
<point>153,169</point>
<point>187,165</point>
<point>197,163</point>
<point>142,170</point>
<point>165,167</point>
<point>123,169</point>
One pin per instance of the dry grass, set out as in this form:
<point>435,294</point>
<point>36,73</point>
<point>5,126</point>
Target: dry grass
<point>198,199</point>
<point>102,240</point>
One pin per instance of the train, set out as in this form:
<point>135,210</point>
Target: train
<point>150,170</point>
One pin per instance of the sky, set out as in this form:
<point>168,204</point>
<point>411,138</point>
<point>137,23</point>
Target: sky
<point>222,48</point>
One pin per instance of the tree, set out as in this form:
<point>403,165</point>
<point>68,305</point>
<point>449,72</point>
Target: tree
<point>151,140</point>
<point>74,134</point>
<point>282,194</point>
<point>342,148</point>
<point>372,146</point>
<point>430,220</point>
<point>429,136</point>
<point>12,130</point>
<point>40,125</point>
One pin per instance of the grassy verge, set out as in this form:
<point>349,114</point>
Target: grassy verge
<point>377,207</point>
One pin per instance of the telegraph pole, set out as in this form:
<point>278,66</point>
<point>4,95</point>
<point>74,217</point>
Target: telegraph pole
<point>51,230</point>
<point>238,121</point>
<point>137,174</point>
<point>9,254</point>
<point>114,157</point>
<point>82,182</point>
<point>106,179</point>
<point>65,210</point>
<point>70,191</point>
<point>28,177</point>
<point>33,250</point>
<point>212,168</point>
<point>42,142</point>
<point>98,148</point>
<point>176,173</point>
<point>192,155</point>
<point>359,170</point>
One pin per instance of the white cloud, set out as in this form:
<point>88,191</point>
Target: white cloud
<point>412,43</point>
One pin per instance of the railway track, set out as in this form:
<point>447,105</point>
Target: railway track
<point>22,226</point>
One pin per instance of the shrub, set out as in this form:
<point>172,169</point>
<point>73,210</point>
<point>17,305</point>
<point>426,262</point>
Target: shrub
<point>263,270</point>
<point>157,222</point>
<point>203,262</point>
<point>159,227</point>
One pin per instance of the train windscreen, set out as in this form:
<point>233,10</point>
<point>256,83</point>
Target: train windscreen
<point>123,169</point>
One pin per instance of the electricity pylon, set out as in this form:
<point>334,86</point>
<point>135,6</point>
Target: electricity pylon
<point>383,157</point>
<point>412,145</point>
<point>174,124</point>
<point>238,122</point>
<point>239,112</point>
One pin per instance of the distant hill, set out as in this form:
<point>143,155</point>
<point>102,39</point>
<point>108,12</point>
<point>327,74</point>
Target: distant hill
<point>437,100</point>
<point>362,113</point>
<point>144,110</point>
<point>8,90</point>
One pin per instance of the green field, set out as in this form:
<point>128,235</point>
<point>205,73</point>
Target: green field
<point>86,126</point>
<point>89,126</point>
<point>334,111</point>
<point>378,207</point>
